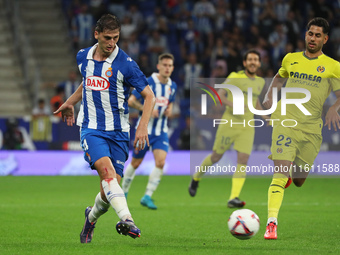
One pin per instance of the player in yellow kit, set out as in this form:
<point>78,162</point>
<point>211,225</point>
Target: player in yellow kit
<point>242,136</point>
<point>295,148</point>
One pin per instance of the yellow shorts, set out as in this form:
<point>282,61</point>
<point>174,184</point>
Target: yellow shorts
<point>242,138</point>
<point>295,145</point>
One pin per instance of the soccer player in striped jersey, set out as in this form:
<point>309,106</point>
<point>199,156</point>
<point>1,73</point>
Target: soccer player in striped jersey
<point>165,91</point>
<point>296,147</point>
<point>107,75</point>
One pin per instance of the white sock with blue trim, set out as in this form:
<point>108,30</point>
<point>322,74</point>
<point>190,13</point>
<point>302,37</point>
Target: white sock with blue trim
<point>154,179</point>
<point>115,195</point>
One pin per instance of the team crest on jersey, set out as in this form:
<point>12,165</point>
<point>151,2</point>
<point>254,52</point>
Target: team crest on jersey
<point>96,83</point>
<point>320,69</point>
<point>279,150</point>
<point>109,72</point>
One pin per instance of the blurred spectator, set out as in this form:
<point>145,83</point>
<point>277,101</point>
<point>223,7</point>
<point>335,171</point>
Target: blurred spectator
<point>218,52</point>
<point>136,16</point>
<point>281,10</point>
<point>127,27</point>
<point>83,27</point>
<point>192,71</point>
<point>220,70</point>
<point>41,109</point>
<point>257,10</point>
<point>57,100</point>
<point>70,85</point>
<point>156,45</point>
<point>267,19</point>
<point>97,8</point>
<point>13,137</point>
<point>117,8</point>
<point>40,125</point>
<point>133,48</point>
<point>203,13</point>
<point>241,16</point>
<point>190,137</point>
<point>144,64</point>
<point>154,21</point>
<point>278,41</point>
<point>223,18</point>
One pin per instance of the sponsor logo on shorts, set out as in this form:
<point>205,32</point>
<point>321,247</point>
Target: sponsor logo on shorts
<point>96,83</point>
<point>120,162</point>
<point>165,143</point>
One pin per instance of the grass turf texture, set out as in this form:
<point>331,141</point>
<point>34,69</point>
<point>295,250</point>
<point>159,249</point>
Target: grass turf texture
<point>44,215</point>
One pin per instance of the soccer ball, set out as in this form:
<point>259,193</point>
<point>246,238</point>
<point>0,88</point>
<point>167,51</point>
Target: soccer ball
<point>243,224</point>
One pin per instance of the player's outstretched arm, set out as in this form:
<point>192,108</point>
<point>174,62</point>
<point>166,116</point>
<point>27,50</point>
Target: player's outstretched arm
<point>277,82</point>
<point>223,95</point>
<point>332,116</point>
<point>67,108</point>
<point>142,129</point>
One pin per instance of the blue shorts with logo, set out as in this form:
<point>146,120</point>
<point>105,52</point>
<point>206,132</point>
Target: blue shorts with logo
<point>113,144</point>
<point>156,142</point>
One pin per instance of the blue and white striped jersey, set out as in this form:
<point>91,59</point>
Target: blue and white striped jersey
<point>106,87</point>
<point>165,94</point>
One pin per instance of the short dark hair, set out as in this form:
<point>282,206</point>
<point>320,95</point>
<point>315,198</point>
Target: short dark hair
<point>166,55</point>
<point>319,22</point>
<point>107,22</point>
<point>245,56</point>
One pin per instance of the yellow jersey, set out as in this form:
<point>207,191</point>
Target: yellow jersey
<point>319,75</point>
<point>243,82</point>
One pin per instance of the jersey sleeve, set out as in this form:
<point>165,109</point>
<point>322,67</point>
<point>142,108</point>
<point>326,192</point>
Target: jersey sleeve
<point>136,78</point>
<point>336,80</point>
<point>136,94</point>
<point>173,92</point>
<point>283,69</point>
<point>230,76</point>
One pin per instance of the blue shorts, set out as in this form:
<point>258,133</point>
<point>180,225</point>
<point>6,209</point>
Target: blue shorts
<point>113,144</point>
<point>156,142</point>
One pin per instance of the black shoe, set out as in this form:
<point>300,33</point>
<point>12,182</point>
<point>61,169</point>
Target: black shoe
<point>236,203</point>
<point>193,187</point>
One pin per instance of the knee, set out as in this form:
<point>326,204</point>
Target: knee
<point>160,163</point>
<point>135,163</point>
<point>106,172</point>
<point>215,157</point>
<point>298,182</point>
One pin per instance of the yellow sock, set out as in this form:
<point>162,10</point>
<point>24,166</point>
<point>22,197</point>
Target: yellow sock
<point>238,180</point>
<point>205,163</point>
<point>275,194</point>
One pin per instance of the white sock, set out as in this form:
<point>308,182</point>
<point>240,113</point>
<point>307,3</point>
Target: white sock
<point>99,208</point>
<point>154,179</point>
<point>129,174</point>
<point>272,219</point>
<point>115,195</point>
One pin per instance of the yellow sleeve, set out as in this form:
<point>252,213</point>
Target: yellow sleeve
<point>283,70</point>
<point>336,81</point>
<point>230,76</point>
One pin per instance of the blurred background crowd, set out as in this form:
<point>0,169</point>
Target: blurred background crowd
<point>207,39</point>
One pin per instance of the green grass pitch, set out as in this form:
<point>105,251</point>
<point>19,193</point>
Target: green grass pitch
<point>44,215</point>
